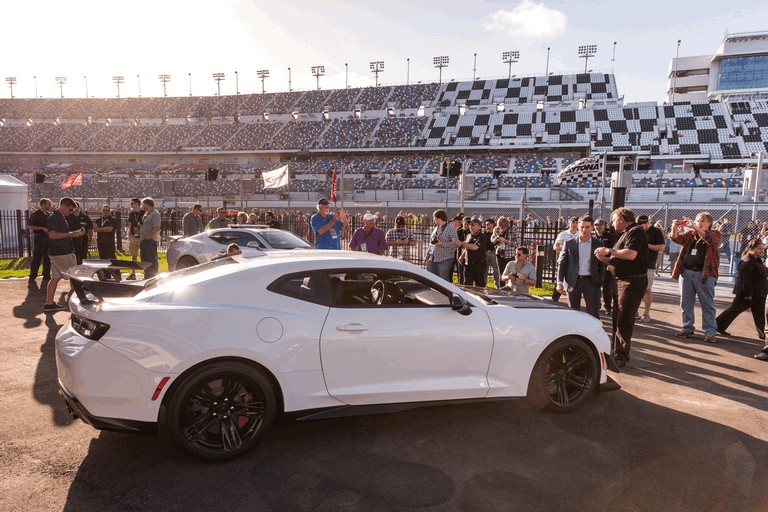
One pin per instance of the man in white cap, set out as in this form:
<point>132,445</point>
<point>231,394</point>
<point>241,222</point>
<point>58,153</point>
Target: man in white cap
<point>369,238</point>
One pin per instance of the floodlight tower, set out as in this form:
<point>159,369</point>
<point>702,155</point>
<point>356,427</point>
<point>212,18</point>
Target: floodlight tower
<point>585,52</point>
<point>164,79</point>
<point>317,72</point>
<point>440,63</point>
<point>262,73</point>
<point>510,58</point>
<point>118,79</point>
<point>218,77</point>
<point>12,80</point>
<point>377,67</point>
<point>62,80</point>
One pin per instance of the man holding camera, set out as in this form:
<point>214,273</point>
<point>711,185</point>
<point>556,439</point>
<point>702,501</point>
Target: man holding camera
<point>697,271</point>
<point>519,274</point>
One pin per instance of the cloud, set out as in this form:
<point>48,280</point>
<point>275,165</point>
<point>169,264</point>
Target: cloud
<point>528,19</point>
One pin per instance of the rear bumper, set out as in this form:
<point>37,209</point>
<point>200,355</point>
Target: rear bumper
<point>77,411</point>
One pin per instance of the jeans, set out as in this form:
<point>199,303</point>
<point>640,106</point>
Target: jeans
<point>691,286</point>
<point>148,253</point>
<point>441,268</point>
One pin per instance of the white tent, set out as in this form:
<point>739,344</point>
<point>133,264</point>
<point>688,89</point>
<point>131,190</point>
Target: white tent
<point>13,196</point>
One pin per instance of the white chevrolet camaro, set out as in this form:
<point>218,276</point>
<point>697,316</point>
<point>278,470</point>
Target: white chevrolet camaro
<point>214,352</point>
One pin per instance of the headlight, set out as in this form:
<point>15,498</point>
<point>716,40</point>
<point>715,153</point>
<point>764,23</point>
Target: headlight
<point>90,329</point>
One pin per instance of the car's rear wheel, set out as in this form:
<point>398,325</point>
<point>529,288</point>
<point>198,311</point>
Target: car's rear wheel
<point>564,376</point>
<point>186,262</point>
<point>221,411</point>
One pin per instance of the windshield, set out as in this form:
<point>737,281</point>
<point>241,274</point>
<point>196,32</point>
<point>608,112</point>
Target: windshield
<point>278,239</point>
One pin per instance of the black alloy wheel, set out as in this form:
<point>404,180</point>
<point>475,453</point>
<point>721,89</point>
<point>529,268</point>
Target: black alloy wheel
<point>221,411</point>
<point>565,375</point>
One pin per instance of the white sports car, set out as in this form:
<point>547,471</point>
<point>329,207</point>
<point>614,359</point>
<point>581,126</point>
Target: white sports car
<point>203,247</point>
<point>215,352</point>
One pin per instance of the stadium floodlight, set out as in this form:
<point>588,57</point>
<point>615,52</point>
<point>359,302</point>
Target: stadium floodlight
<point>377,67</point>
<point>62,80</point>
<point>237,83</point>
<point>35,77</point>
<point>138,81</point>
<point>440,63</point>
<point>317,72</point>
<point>289,80</point>
<point>218,77</point>
<point>510,58</point>
<point>165,79</point>
<point>118,79</point>
<point>86,86</point>
<point>11,80</point>
<point>262,73</point>
<point>585,52</point>
<point>190,83</point>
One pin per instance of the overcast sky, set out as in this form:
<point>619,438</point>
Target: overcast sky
<point>106,38</point>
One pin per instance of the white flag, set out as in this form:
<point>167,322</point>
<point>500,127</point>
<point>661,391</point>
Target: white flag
<point>277,178</point>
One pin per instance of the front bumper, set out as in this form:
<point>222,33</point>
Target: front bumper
<point>77,411</point>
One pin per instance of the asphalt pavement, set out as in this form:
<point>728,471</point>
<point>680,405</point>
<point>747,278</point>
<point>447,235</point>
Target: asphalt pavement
<point>688,431</point>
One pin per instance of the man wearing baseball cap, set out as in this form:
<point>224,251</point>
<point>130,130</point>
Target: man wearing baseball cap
<point>476,273</point>
<point>369,238</point>
<point>655,245</point>
<point>327,228</point>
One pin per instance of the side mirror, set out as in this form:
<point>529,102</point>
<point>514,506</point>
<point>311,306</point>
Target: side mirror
<point>460,305</point>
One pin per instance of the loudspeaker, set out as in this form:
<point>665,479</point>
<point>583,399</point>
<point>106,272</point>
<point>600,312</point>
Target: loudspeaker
<point>211,174</point>
<point>39,177</point>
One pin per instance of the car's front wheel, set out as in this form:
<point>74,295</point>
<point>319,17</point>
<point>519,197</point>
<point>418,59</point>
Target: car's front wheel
<point>221,411</point>
<point>564,376</point>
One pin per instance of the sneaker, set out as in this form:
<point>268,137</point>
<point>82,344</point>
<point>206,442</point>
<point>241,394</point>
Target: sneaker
<point>52,308</point>
<point>683,334</point>
<point>710,338</point>
<point>646,319</point>
<point>762,356</point>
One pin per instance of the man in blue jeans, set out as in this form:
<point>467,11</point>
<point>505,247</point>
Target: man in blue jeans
<point>697,271</point>
<point>149,237</point>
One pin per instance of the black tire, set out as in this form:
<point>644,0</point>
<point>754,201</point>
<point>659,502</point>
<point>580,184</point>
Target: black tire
<point>565,375</point>
<point>186,262</point>
<point>221,411</point>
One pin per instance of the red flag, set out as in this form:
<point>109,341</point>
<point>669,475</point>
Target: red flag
<point>72,179</point>
<point>333,187</point>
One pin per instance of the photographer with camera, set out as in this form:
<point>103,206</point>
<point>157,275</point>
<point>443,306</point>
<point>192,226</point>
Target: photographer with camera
<point>442,243</point>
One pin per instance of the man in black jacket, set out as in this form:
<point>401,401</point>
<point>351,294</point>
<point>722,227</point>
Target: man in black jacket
<point>38,224</point>
<point>579,272</point>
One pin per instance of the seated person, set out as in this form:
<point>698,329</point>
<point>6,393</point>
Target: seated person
<point>232,250</point>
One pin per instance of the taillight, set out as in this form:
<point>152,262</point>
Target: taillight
<point>88,328</point>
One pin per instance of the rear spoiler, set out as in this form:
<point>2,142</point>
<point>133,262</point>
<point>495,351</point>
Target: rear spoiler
<point>93,291</point>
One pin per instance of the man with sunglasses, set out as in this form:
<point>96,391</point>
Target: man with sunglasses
<point>60,249</point>
<point>519,274</point>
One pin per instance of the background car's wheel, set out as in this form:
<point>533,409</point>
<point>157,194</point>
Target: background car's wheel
<point>564,376</point>
<point>186,262</point>
<point>221,411</point>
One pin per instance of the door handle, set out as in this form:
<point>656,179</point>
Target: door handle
<point>351,328</point>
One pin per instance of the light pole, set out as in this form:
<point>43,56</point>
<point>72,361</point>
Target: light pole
<point>546,70</point>
<point>190,83</point>
<point>289,80</point>
<point>35,77</point>
<point>440,63</point>
<point>262,73</point>
<point>237,83</point>
<point>510,58</point>
<point>118,79</point>
<point>756,196</point>
<point>317,72</point>
<point>346,75</point>
<point>62,80</point>
<point>86,86</point>
<point>165,79</point>
<point>138,80</point>
<point>218,77</point>
<point>474,68</point>
<point>377,67</point>
<point>408,71</point>
<point>585,52</point>
<point>674,72</point>
<point>613,59</point>
<point>11,80</point>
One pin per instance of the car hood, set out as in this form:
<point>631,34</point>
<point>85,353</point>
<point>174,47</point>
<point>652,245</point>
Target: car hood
<point>513,299</point>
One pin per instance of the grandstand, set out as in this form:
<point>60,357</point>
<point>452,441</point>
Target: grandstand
<point>514,134</point>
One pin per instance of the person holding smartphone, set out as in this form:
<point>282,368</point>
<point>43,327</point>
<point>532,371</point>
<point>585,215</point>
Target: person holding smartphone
<point>519,274</point>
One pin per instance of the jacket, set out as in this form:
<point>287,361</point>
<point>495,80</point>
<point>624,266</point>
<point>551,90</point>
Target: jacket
<point>752,279</point>
<point>568,263</point>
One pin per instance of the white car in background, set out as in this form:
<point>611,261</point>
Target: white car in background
<point>214,352</point>
<point>203,247</point>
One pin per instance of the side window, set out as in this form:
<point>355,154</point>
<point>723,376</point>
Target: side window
<point>377,289</point>
<point>307,286</point>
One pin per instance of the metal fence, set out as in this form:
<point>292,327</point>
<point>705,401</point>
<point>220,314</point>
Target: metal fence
<point>745,219</point>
